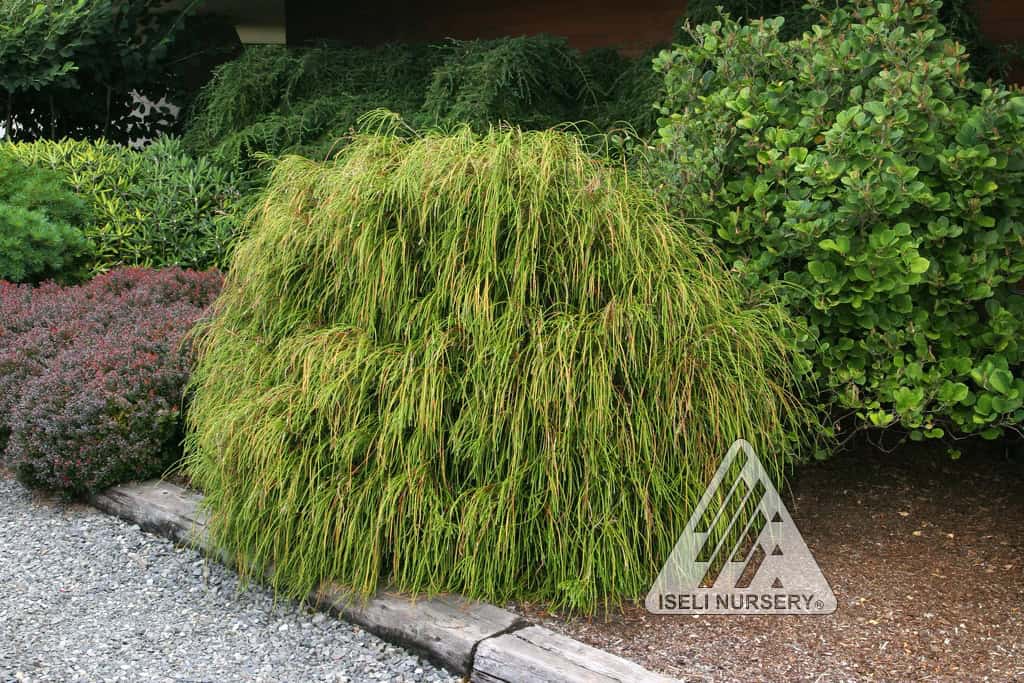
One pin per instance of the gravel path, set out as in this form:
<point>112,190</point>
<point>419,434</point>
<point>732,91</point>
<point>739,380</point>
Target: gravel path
<point>86,597</point>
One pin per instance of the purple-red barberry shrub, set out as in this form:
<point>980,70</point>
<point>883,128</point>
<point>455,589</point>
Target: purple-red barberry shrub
<point>91,377</point>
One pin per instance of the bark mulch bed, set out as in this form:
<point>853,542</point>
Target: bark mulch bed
<point>925,555</point>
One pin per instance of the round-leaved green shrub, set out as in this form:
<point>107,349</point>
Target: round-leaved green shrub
<point>861,166</point>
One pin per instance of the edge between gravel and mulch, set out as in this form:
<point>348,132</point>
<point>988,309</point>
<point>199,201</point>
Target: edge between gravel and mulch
<point>482,641</point>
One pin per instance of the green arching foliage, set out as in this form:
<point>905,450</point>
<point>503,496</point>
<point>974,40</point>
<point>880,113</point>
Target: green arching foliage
<point>274,100</point>
<point>269,78</point>
<point>531,81</point>
<point>537,82</point>
<point>861,164</point>
<point>624,90</point>
<point>485,364</point>
<point>156,207</point>
<point>39,215</point>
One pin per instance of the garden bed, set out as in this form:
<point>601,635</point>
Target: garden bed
<point>923,554</point>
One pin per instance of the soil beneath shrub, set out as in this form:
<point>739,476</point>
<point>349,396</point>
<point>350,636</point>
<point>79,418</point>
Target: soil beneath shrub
<point>925,555</point>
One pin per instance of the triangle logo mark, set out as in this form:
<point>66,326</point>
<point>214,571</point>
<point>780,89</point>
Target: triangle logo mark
<point>720,565</point>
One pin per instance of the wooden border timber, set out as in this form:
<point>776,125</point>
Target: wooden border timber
<point>475,639</point>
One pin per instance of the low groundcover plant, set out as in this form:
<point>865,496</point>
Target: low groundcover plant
<point>485,364</point>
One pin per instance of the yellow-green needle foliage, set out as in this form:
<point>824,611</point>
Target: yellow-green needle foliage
<point>484,364</point>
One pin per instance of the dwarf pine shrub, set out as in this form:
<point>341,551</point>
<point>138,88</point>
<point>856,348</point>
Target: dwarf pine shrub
<point>39,224</point>
<point>486,364</point>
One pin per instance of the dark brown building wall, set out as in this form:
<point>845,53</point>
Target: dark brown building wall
<point>1003,22</point>
<point>632,26</point>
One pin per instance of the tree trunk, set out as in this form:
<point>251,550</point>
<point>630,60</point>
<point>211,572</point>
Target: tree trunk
<point>9,118</point>
<point>53,119</point>
<point>106,120</point>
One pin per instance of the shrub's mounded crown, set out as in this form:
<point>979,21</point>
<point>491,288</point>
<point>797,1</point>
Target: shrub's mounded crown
<point>39,224</point>
<point>486,364</point>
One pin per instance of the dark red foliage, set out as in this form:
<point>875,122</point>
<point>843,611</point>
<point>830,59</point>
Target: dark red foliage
<point>91,377</point>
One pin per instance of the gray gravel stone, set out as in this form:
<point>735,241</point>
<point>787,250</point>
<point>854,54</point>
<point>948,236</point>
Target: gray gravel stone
<point>86,597</point>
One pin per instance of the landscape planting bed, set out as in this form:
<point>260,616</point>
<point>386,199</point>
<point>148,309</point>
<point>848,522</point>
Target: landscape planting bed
<point>923,553</point>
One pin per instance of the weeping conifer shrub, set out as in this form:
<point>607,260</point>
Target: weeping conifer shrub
<point>485,364</point>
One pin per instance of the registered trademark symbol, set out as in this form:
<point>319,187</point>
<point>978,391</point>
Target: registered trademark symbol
<point>818,604</point>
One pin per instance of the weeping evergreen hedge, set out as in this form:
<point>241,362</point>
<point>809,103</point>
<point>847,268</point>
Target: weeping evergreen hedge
<point>274,100</point>
<point>486,363</point>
